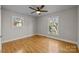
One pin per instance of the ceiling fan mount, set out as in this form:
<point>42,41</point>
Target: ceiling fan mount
<point>38,10</point>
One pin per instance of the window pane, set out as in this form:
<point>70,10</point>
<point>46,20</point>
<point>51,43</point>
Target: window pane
<point>54,25</point>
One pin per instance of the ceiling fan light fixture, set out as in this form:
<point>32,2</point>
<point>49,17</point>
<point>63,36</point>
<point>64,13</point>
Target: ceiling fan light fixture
<point>38,12</point>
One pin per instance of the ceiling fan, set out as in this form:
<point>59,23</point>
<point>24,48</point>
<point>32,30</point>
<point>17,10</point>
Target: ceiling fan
<point>38,10</point>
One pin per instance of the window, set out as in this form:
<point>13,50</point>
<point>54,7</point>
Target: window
<point>17,21</point>
<point>54,25</point>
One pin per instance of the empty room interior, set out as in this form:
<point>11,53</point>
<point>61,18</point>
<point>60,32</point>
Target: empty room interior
<point>39,28</point>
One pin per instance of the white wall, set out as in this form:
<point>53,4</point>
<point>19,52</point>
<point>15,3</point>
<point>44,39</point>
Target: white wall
<point>0,28</point>
<point>0,20</point>
<point>9,32</point>
<point>67,24</point>
<point>78,25</point>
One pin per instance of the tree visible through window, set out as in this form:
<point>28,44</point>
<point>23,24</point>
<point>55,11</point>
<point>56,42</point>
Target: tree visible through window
<point>53,25</point>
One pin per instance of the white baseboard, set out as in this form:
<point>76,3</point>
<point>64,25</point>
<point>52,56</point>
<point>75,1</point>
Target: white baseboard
<point>59,38</point>
<point>41,35</point>
<point>17,38</point>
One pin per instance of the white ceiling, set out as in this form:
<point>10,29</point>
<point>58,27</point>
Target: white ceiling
<point>24,9</point>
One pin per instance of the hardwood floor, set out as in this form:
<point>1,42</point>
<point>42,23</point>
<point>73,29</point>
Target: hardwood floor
<point>78,50</point>
<point>38,44</point>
